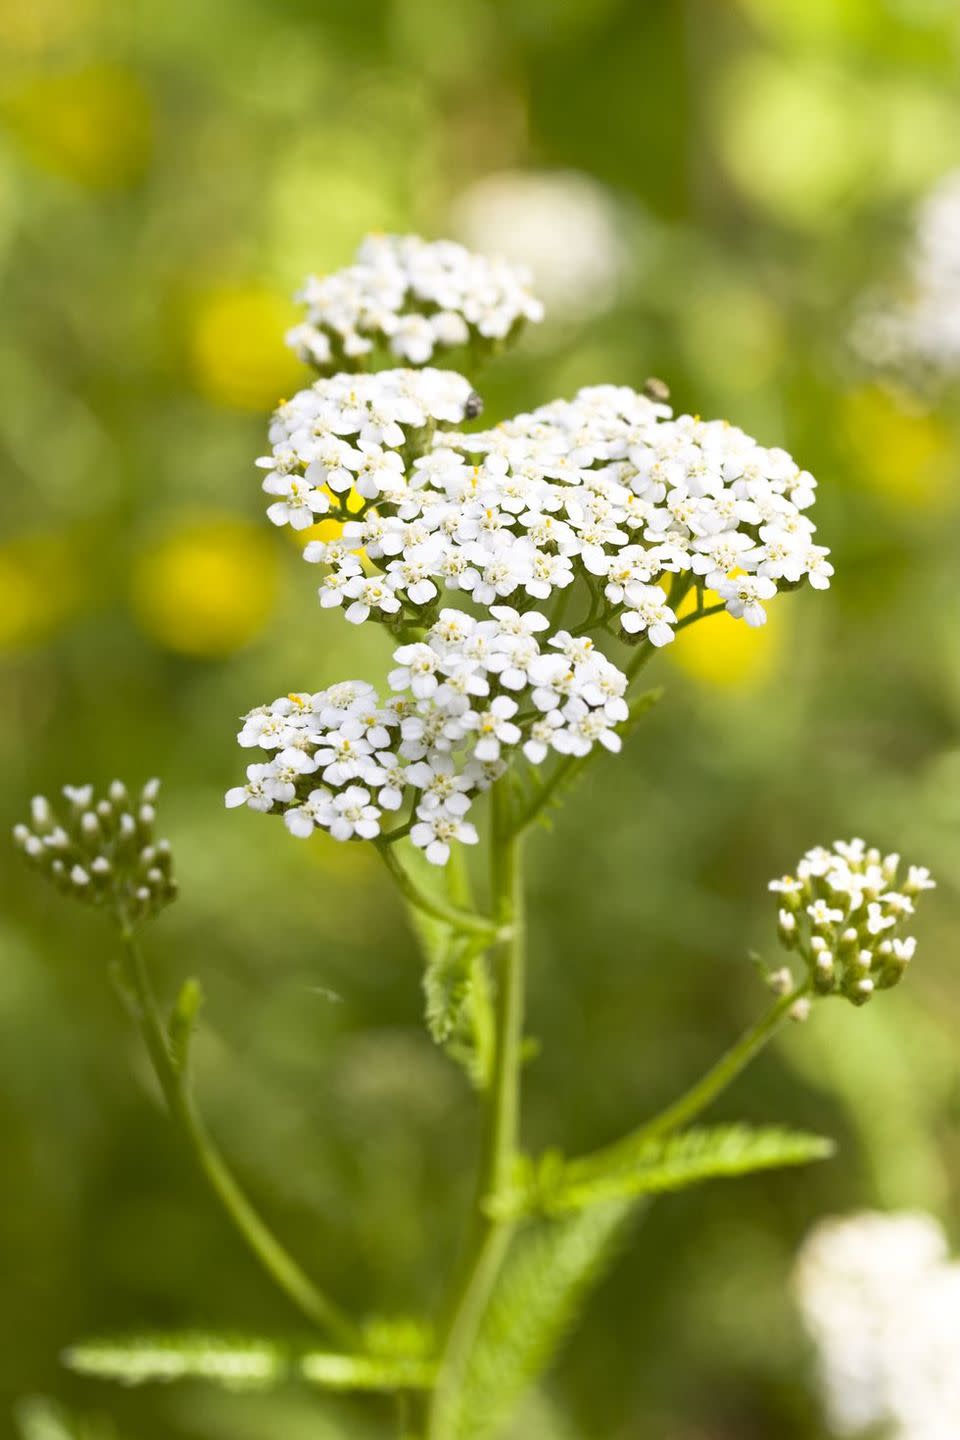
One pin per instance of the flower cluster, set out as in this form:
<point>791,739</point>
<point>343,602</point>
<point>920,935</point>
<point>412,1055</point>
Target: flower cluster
<point>347,434</point>
<point>604,487</point>
<point>102,851</point>
<point>844,913</point>
<point>606,497</point>
<point>413,296</point>
<point>465,697</point>
<point>881,1299</point>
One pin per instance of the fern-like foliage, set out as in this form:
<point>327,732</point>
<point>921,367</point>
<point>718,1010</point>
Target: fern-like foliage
<point>240,1363</point>
<point>672,1163</point>
<point>455,981</point>
<point>547,1274</point>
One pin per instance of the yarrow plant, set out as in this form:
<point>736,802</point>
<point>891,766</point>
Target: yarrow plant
<point>525,574</point>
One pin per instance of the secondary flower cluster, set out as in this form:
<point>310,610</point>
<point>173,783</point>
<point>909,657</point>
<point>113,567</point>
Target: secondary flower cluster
<point>415,297</point>
<point>881,1299</point>
<point>844,913</point>
<point>465,697</point>
<point>102,851</point>
<point>347,434</point>
<point>604,487</point>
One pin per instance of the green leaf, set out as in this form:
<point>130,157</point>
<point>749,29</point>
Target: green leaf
<point>542,1285</point>
<point>237,1362</point>
<point>183,1021</point>
<point>455,981</point>
<point>672,1163</point>
<point>242,1363</point>
<point>365,1372</point>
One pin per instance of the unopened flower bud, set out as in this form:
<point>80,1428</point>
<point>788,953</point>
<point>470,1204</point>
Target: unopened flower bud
<point>99,856</point>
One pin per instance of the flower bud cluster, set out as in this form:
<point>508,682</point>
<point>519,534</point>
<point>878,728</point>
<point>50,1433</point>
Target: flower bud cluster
<point>103,852</point>
<point>466,698</point>
<point>414,297</point>
<point>845,914</point>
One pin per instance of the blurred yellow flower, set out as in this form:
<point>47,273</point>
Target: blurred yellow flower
<point>39,589</point>
<point>237,354</point>
<point>905,455</point>
<point>92,125</point>
<point>206,588</point>
<point>725,652</point>
<point>31,29</point>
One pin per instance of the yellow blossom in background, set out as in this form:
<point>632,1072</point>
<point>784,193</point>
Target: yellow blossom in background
<point>726,652</point>
<point>29,29</point>
<point>904,454</point>
<point>39,590</point>
<point>207,587</point>
<point>237,354</point>
<point>91,125</point>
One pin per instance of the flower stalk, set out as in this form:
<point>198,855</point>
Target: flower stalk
<point>286,1273</point>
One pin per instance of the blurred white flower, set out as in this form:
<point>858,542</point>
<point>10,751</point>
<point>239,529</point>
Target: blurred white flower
<point>924,327</point>
<point>881,1300</point>
<point>564,226</point>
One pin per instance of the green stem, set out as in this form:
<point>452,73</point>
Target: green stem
<point>714,1082</point>
<point>281,1266</point>
<point>492,1234</point>
<point>463,920</point>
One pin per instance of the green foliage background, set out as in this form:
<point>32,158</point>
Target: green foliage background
<point>167,175</point>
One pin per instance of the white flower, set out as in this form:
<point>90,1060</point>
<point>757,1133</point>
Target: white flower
<point>434,831</point>
<point>649,611</point>
<point>743,597</point>
<point>350,814</point>
<point>254,793</point>
<point>299,506</point>
<point>494,727</point>
<point>302,820</point>
<point>881,1299</point>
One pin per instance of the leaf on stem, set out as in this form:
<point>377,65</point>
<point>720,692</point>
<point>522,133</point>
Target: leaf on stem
<point>238,1363</point>
<point>455,982</point>
<point>235,1362</point>
<point>658,1165</point>
<point>547,1274</point>
<point>183,1020</point>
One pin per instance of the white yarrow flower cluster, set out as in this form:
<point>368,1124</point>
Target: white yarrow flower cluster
<point>415,297</point>
<point>465,698</point>
<point>881,1300</point>
<point>346,433</point>
<point>603,487</point>
<point>605,497</point>
<point>845,913</point>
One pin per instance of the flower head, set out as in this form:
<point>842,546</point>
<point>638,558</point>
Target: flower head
<point>102,851</point>
<point>844,915</point>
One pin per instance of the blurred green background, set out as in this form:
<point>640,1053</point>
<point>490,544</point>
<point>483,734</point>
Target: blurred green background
<point>731,178</point>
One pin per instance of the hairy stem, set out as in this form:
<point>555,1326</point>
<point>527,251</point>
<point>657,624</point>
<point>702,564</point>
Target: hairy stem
<point>492,1235</point>
<point>279,1265</point>
<point>465,921</point>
